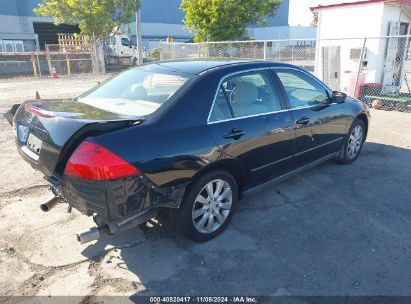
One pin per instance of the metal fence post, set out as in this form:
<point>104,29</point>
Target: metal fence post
<point>33,62</point>
<point>38,62</point>
<point>265,50</point>
<point>172,50</point>
<point>100,59</point>
<point>360,67</point>
<point>279,51</point>
<point>68,65</point>
<point>94,57</point>
<point>48,60</point>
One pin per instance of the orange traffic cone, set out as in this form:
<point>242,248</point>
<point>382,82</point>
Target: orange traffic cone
<point>38,95</point>
<point>54,73</point>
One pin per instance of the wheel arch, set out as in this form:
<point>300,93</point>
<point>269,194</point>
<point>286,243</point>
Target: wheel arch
<point>232,166</point>
<point>363,117</point>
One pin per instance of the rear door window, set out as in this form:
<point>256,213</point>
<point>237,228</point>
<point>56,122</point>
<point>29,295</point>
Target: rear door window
<point>221,110</point>
<point>245,94</point>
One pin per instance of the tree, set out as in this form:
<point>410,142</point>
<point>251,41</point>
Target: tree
<point>314,20</point>
<point>94,17</point>
<point>222,20</point>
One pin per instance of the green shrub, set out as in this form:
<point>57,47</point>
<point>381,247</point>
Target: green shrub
<point>154,54</point>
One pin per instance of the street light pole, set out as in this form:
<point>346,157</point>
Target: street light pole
<point>138,37</point>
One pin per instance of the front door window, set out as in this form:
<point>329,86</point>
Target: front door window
<point>302,91</point>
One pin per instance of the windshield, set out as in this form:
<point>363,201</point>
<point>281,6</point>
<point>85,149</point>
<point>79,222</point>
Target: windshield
<point>134,92</point>
<point>125,41</point>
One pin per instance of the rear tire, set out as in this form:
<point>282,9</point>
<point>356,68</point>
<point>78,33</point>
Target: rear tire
<point>353,143</point>
<point>208,206</point>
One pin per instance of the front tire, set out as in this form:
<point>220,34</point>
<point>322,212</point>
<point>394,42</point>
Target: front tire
<point>208,205</point>
<point>353,142</point>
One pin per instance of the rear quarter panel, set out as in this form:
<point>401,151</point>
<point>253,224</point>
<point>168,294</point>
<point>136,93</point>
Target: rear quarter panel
<point>166,157</point>
<point>171,147</point>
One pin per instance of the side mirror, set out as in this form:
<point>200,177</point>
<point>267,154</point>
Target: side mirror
<point>338,97</point>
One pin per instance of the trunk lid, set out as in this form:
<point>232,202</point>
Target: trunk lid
<point>48,131</point>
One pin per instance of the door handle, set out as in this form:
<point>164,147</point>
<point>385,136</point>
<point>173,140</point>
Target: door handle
<point>235,133</point>
<point>303,120</point>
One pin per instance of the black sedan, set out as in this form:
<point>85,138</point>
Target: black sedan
<point>191,137</point>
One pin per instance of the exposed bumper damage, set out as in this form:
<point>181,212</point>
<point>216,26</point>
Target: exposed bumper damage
<point>9,115</point>
<point>116,205</point>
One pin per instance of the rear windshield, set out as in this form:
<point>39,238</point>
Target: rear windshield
<point>135,92</point>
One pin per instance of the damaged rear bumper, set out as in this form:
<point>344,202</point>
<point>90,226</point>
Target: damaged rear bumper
<point>116,205</point>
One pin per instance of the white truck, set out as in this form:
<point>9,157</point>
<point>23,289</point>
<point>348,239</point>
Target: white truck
<point>118,49</point>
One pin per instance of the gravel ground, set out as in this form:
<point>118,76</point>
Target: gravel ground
<point>334,230</point>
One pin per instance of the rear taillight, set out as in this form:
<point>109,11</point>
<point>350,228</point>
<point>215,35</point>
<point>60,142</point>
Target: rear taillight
<point>93,162</point>
<point>38,111</point>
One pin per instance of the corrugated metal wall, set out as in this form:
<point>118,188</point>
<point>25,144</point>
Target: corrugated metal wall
<point>168,11</point>
<point>9,7</point>
<point>153,11</point>
<point>161,11</point>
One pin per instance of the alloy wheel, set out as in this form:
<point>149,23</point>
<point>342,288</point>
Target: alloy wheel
<point>355,141</point>
<point>212,206</point>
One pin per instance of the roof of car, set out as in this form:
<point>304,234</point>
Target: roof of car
<point>200,66</point>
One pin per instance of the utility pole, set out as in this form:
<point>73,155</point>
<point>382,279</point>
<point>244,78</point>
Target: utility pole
<point>138,36</point>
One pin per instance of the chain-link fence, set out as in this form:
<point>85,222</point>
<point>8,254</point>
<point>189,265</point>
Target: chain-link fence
<point>298,52</point>
<point>385,73</point>
<point>375,70</point>
<point>53,62</point>
<point>57,61</point>
<point>23,65</point>
<point>75,59</point>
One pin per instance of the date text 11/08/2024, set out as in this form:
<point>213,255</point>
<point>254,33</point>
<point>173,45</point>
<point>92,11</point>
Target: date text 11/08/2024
<point>206,299</point>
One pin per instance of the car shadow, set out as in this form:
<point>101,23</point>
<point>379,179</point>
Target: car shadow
<point>332,230</point>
